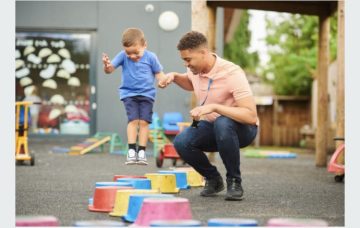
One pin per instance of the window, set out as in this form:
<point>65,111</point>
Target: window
<point>53,68</point>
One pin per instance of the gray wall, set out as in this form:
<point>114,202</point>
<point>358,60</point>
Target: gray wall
<point>107,20</point>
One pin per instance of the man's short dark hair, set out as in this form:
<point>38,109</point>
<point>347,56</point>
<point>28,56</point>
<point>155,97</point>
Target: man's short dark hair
<point>192,40</point>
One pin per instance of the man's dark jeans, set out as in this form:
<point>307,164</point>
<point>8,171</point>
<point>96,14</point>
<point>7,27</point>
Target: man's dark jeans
<point>224,135</point>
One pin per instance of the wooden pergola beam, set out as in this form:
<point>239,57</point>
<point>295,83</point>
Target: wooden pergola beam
<point>340,100</point>
<point>323,97</point>
<point>300,7</point>
<point>340,93</point>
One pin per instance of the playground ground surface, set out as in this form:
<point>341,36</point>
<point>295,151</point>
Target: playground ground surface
<point>60,185</point>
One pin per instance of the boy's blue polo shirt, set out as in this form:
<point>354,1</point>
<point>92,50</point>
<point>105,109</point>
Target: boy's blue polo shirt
<point>137,77</point>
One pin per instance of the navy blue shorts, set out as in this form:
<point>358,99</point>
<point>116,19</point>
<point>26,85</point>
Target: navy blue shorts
<point>139,108</point>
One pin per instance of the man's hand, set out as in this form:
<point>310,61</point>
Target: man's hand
<point>169,78</point>
<point>197,112</point>
<point>165,80</point>
<point>161,79</point>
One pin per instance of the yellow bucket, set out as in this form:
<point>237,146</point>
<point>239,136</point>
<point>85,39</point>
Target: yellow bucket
<point>194,178</point>
<point>165,183</point>
<point>122,200</point>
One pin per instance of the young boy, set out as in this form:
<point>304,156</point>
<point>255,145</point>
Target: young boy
<point>137,91</point>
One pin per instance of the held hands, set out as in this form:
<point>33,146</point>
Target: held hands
<point>161,81</point>
<point>166,80</point>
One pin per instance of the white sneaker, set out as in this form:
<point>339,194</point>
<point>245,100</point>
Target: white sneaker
<point>141,160</point>
<point>131,157</point>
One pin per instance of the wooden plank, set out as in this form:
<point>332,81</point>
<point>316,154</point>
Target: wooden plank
<point>96,144</point>
<point>322,111</point>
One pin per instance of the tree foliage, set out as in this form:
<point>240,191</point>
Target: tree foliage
<point>237,49</point>
<point>293,46</point>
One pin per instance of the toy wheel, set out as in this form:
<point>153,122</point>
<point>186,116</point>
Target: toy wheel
<point>32,160</point>
<point>19,162</point>
<point>160,159</point>
<point>339,178</point>
<point>174,162</point>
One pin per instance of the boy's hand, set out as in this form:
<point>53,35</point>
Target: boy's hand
<point>108,68</point>
<point>106,60</point>
<point>166,79</point>
<point>161,79</point>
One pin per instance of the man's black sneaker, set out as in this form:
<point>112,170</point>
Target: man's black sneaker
<point>234,189</point>
<point>213,186</point>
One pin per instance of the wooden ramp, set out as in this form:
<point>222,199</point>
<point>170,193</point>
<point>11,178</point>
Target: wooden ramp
<point>88,145</point>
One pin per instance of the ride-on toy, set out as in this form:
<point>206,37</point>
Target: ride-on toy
<point>21,135</point>
<point>163,148</point>
<point>168,151</point>
<point>334,165</point>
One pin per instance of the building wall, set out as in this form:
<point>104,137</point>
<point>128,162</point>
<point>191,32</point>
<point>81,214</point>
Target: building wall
<point>107,20</point>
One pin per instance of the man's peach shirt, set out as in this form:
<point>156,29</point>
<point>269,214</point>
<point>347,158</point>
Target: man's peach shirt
<point>229,84</point>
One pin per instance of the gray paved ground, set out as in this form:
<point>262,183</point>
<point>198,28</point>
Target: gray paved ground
<point>60,185</point>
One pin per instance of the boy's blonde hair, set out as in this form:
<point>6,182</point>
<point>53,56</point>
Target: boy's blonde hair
<point>131,36</point>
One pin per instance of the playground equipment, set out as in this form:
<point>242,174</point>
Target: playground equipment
<point>116,177</point>
<point>163,182</point>
<point>104,198</point>
<point>296,222</point>
<point>137,183</point>
<point>334,166</point>
<point>268,154</point>
<point>225,222</point>
<point>163,148</point>
<point>194,179</point>
<point>135,203</point>
<point>174,208</point>
<point>98,223</point>
<point>21,135</point>
<point>175,223</point>
<point>167,151</point>
<point>170,121</point>
<point>36,220</point>
<point>122,200</point>
<point>180,176</point>
<point>99,140</point>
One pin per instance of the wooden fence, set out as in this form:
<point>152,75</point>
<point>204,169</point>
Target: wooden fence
<point>281,121</point>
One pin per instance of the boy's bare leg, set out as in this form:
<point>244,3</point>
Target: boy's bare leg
<point>131,134</point>
<point>143,133</point>
<point>143,138</point>
<point>132,131</point>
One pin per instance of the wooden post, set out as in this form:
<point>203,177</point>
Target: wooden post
<point>212,46</point>
<point>212,28</point>
<point>203,20</point>
<point>341,73</point>
<point>322,111</point>
<point>199,22</point>
<point>199,16</point>
<point>340,100</point>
